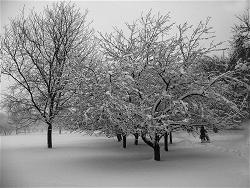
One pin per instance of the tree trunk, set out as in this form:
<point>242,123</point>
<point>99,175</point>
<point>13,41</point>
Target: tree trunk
<point>119,137</point>
<point>136,138</point>
<point>60,130</point>
<point>157,155</point>
<point>49,135</point>
<point>124,141</point>
<point>170,137</point>
<point>166,141</point>
<point>155,145</point>
<point>148,142</point>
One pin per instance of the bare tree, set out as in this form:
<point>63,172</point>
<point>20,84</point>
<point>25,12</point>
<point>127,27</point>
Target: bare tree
<point>39,53</point>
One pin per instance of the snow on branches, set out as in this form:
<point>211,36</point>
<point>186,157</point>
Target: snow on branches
<point>156,78</point>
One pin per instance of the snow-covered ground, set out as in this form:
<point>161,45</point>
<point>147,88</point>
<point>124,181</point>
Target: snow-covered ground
<point>84,161</point>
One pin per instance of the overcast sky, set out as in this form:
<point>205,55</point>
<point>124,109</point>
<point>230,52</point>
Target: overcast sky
<point>106,14</point>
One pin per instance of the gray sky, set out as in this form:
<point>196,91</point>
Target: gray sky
<point>106,14</point>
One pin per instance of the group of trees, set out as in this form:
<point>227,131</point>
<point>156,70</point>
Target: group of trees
<point>149,79</point>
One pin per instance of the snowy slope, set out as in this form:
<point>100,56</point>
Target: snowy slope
<point>86,161</point>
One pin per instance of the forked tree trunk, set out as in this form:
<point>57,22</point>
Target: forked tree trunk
<point>49,135</point>
<point>136,138</point>
<point>166,141</point>
<point>124,141</point>
<point>155,145</point>
<point>119,137</point>
<point>170,137</point>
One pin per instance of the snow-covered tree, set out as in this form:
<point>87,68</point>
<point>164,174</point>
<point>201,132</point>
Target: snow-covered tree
<point>239,57</point>
<point>85,108</point>
<point>156,79</point>
<point>38,53</point>
<point>237,64</point>
<point>241,39</point>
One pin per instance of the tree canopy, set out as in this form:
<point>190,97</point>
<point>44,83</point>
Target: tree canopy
<point>150,78</point>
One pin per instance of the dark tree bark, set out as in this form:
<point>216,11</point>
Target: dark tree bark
<point>157,155</point>
<point>166,141</point>
<point>49,135</point>
<point>136,138</point>
<point>119,137</point>
<point>170,137</point>
<point>155,146</point>
<point>124,141</point>
<point>148,142</point>
<point>60,130</point>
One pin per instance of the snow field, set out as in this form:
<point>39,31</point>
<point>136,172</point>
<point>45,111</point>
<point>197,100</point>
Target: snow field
<point>84,161</point>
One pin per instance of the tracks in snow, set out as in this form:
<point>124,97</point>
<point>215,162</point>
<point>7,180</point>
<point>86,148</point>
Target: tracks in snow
<point>241,150</point>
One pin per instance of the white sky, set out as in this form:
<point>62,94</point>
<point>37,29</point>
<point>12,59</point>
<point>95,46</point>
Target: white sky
<point>106,14</point>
